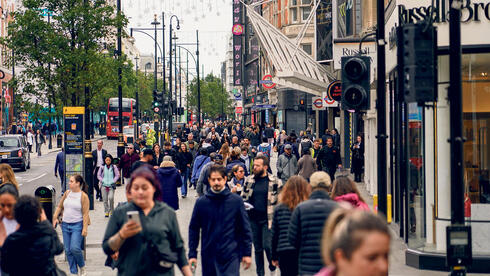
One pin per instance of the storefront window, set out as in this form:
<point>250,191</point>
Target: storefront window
<point>416,183</point>
<point>476,120</point>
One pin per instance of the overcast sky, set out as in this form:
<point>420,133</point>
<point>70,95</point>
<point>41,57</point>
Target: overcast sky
<point>213,19</point>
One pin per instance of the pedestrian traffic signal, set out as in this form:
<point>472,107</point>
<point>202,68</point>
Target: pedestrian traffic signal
<point>417,60</point>
<point>157,97</point>
<point>356,82</point>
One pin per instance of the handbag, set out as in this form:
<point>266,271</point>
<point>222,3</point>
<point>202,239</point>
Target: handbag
<point>161,262</point>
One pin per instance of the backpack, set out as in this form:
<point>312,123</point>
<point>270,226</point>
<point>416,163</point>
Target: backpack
<point>265,150</point>
<point>306,145</point>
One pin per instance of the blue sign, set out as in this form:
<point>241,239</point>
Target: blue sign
<point>264,106</point>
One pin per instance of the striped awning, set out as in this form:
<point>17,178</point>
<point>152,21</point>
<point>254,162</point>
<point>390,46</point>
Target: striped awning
<point>292,66</point>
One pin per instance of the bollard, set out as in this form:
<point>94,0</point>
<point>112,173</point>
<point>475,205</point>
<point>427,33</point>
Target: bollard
<point>47,197</point>
<point>388,207</point>
<point>59,140</point>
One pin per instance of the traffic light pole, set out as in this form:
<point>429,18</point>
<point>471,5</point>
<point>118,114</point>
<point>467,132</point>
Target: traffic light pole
<point>381,107</point>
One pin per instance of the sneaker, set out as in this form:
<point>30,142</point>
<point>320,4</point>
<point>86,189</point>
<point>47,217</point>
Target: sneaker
<point>274,273</point>
<point>82,271</point>
<point>106,215</point>
<point>184,196</point>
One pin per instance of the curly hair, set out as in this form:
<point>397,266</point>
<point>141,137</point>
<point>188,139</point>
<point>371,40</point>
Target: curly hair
<point>295,191</point>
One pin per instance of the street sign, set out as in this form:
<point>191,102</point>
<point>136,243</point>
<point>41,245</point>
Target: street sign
<point>334,91</point>
<point>74,137</point>
<point>317,103</point>
<point>267,82</point>
<point>239,110</point>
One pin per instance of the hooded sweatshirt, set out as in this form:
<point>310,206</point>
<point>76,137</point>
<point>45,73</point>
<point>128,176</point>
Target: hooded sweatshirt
<point>36,245</point>
<point>354,200</point>
<point>170,180</point>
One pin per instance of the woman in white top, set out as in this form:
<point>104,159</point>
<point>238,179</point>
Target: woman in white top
<point>74,208</point>
<point>8,197</point>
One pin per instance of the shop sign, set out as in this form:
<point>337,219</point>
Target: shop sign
<point>237,43</point>
<point>351,49</point>
<point>334,90</point>
<point>237,29</point>
<point>324,30</point>
<point>238,110</point>
<point>267,82</point>
<point>470,11</point>
<point>317,103</point>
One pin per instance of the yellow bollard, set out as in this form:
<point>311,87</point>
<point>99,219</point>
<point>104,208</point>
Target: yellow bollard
<point>388,207</point>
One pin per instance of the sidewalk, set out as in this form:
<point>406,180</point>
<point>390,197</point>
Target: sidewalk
<point>398,246</point>
<point>95,256</point>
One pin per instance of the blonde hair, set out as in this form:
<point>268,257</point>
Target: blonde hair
<point>8,174</point>
<point>346,230</point>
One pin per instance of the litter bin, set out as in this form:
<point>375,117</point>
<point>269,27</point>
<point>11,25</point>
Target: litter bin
<point>47,197</point>
<point>59,140</point>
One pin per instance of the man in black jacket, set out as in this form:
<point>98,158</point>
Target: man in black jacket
<point>306,228</point>
<point>328,159</point>
<point>220,218</point>
<point>98,157</point>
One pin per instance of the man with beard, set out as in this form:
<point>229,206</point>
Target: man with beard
<point>328,159</point>
<point>220,218</point>
<point>261,191</point>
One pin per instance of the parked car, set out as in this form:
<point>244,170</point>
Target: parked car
<point>14,151</point>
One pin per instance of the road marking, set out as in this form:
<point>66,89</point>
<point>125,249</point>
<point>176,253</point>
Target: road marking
<point>36,177</point>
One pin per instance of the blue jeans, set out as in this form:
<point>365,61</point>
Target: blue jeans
<point>72,239</point>
<point>184,176</point>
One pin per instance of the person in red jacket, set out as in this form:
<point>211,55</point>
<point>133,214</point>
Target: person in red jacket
<point>344,189</point>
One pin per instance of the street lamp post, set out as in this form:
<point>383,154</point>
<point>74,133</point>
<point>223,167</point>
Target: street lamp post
<point>136,132</point>
<point>198,82</point>
<point>155,23</point>
<point>170,72</point>
<point>120,144</point>
<point>180,83</point>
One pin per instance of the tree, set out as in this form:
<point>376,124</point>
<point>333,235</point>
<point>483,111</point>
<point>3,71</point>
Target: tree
<point>61,53</point>
<point>214,98</point>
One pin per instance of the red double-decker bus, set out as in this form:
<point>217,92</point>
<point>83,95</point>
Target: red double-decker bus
<point>128,112</point>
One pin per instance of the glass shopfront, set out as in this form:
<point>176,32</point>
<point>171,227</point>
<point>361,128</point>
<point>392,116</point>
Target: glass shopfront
<point>476,121</point>
<point>416,194</point>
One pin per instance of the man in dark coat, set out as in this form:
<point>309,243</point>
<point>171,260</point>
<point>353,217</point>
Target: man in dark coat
<point>306,228</point>
<point>226,234</point>
<point>98,157</point>
<point>59,168</point>
<point>328,159</point>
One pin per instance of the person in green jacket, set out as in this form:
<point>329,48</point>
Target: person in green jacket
<point>142,244</point>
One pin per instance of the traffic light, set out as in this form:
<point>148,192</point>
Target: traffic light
<point>356,82</point>
<point>417,60</point>
<point>157,98</point>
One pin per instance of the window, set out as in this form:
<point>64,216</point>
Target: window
<point>301,8</point>
<point>307,48</point>
<point>306,12</point>
<point>294,15</point>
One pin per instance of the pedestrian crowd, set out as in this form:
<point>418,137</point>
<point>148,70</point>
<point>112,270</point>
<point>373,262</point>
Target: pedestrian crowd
<point>308,218</point>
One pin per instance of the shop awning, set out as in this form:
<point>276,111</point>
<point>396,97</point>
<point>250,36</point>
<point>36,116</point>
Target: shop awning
<point>292,66</point>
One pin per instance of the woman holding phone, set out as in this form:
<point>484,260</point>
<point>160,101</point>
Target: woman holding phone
<point>73,208</point>
<point>145,232</point>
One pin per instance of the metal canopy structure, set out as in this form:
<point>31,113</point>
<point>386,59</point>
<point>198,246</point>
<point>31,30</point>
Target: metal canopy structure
<point>292,66</point>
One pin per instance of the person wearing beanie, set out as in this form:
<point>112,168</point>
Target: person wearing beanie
<point>307,223</point>
<point>170,181</point>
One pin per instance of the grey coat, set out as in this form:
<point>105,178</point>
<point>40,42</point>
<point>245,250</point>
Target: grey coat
<point>286,166</point>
